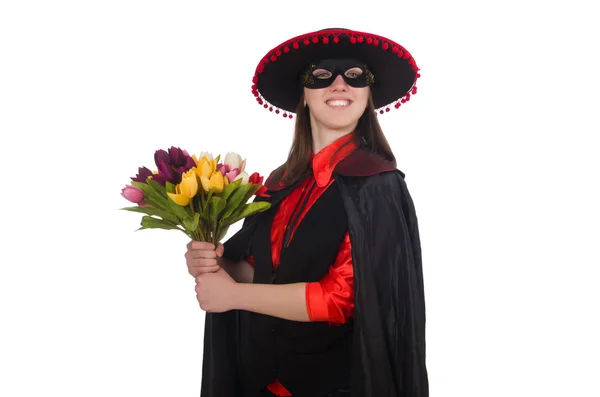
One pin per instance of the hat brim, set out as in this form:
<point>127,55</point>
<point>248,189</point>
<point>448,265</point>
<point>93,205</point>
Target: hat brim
<point>276,84</point>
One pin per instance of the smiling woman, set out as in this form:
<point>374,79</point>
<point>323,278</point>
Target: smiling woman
<point>322,294</point>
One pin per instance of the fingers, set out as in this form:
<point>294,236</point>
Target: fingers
<point>194,254</point>
<point>200,270</point>
<point>200,245</point>
<point>220,250</point>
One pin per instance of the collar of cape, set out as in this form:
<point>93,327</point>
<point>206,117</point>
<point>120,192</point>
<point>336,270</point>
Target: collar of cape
<point>360,162</point>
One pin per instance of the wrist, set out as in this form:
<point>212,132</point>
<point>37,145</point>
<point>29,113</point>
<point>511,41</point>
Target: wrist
<point>239,296</point>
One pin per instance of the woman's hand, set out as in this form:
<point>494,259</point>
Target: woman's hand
<point>216,292</point>
<point>201,257</point>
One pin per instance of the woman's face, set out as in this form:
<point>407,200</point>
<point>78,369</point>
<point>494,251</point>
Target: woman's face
<point>338,105</point>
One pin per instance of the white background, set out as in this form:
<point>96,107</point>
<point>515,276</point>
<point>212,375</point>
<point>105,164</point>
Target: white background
<point>497,146</point>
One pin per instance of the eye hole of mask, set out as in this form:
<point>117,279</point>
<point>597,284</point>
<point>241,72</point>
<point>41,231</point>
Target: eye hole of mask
<point>324,74</point>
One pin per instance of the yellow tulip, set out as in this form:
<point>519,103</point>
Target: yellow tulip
<point>206,167</point>
<point>178,197</point>
<point>216,181</point>
<point>187,189</point>
<point>189,183</point>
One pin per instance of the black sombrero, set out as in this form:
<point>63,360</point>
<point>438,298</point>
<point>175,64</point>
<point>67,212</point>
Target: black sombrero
<point>276,83</point>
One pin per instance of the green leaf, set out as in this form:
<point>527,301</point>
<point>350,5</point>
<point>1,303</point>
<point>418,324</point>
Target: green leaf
<point>235,200</point>
<point>211,192</point>
<point>151,196</point>
<point>169,187</point>
<point>222,232</point>
<point>149,222</point>
<point>158,188</point>
<point>217,205</point>
<point>205,214</point>
<point>247,210</point>
<point>191,222</point>
<point>179,211</point>
<point>251,192</point>
<point>227,190</point>
<point>153,211</point>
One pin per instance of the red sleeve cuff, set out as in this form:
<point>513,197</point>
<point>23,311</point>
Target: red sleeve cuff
<point>250,260</point>
<point>332,298</point>
<point>315,302</point>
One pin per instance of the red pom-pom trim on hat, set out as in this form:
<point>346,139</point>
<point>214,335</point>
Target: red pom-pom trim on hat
<point>315,39</point>
<point>325,40</point>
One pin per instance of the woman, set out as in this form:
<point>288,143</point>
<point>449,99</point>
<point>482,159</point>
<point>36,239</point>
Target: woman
<point>322,295</point>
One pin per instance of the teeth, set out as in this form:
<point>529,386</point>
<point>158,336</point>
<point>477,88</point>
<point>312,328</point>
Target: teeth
<point>338,103</point>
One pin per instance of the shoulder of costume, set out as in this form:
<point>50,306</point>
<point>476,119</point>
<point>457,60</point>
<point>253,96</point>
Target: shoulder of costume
<point>364,163</point>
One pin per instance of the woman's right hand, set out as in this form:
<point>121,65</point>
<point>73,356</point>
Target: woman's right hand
<point>201,257</point>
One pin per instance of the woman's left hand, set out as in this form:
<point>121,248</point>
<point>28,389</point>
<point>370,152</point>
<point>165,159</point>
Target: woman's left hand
<point>216,291</point>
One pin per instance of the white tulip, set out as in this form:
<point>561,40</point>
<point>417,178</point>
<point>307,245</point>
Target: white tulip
<point>243,176</point>
<point>234,160</point>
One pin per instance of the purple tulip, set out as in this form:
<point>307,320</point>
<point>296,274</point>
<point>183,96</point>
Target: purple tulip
<point>133,194</point>
<point>161,156</point>
<point>166,173</point>
<point>178,159</point>
<point>142,175</point>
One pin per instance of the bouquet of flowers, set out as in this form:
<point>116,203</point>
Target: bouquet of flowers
<point>197,195</point>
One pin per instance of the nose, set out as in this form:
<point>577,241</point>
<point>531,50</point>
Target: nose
<point>339,84</point>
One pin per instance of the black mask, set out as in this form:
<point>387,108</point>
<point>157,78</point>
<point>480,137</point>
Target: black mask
<point>334,68</point>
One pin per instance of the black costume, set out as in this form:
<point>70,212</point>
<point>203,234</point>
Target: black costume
<point>388,355</point>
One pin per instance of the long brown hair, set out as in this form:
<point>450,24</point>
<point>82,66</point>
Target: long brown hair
<point>368,134</point>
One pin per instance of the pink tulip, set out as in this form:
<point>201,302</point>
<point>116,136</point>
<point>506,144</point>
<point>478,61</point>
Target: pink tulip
<point>223,168</point>
<point>231,175</point>
<point>133,194</point>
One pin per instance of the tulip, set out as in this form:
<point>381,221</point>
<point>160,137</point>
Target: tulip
<point>179,197</point>
<point>205,167</point>
<point>187,189</point>
<point>142,175</point>
<point>133,194</point>
<point>243,176</point>
<point>231,175</point>
<point>216,181</point>
<point>233,161</point>
<point>161,156</point>
<point>166,173</point>
<point>256,179</point>
<point>223,168</point>
<point>208,155</point>
<point>189,183</point>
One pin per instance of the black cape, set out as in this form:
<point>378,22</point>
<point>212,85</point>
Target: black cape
<point>389,316</point>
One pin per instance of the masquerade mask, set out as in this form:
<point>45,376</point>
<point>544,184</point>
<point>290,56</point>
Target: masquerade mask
<point>321,74</point>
